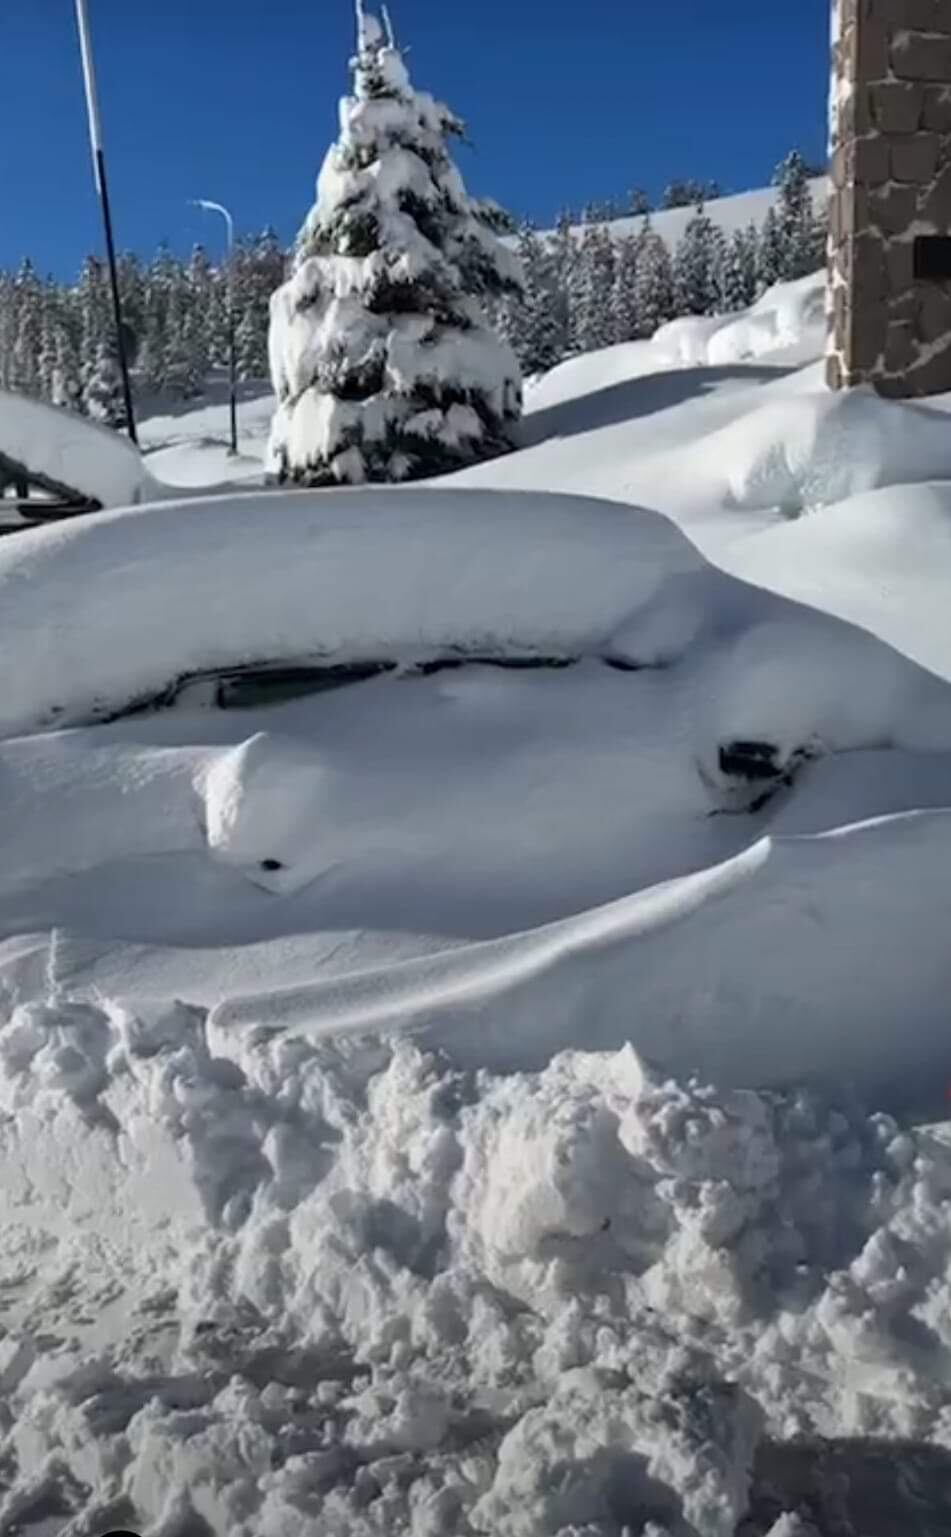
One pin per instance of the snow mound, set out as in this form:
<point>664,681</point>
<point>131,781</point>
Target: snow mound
<point>590,372</point>
<point>815,449</point>
<point>73,452</point>
<point>103,611</point>
<point>878,560</point>
<point>263,801</point>
<point>806,682</point>
<point>786,315</point>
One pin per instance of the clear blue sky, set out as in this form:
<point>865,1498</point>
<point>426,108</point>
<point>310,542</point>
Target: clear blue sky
<point>236,100</point>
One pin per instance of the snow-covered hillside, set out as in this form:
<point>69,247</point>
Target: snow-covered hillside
<point>735,211</point>
<point>490,1098</point>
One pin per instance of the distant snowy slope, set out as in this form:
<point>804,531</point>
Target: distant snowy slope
<point>729,213</point>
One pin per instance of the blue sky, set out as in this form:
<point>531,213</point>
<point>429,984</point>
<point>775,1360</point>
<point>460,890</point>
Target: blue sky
<point>236,100</point>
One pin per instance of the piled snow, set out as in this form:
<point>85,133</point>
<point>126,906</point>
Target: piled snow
<point>73,451</point>
<point>786,315</point>
<point>370,1295</point>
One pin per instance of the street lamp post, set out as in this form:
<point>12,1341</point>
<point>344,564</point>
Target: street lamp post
<point>201,202</point>
<point>99,171</point>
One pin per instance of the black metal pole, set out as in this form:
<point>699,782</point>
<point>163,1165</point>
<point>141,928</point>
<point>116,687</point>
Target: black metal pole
<point>116,298</point>
<point>99,168</point>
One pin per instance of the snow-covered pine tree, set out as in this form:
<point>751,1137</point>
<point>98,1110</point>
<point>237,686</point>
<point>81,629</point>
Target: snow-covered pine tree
<point>260,272</point>
<point>736,276</point>
<point>534,326</point>
<point>132,296</point>
<point>564,256</point>
<point>655,281</point>
<point>248,346</point>
<point>103,390</point>
<point>92,301</point>
<point>626,315</point>
<point>46,359</point>
<point>802,235</point>
<point>28,335</point>
<point>163,314</point>
<point>382,359</point>
<point>770,256</point>
<point>270,264</point>
<point>218,333</point>
<point>748,247</point>
<point>197,304</point>
<point>184,375</point>
<point>7,329</point>
<point>66,388</point>
<point>719,255</point>
<point>683,194</point>
<point>595,280</point>
<point>695,266</point>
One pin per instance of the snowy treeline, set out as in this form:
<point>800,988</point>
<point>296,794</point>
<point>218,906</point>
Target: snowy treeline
<point>583,290</point>
<point>57,341</point>
<point>594,288</point>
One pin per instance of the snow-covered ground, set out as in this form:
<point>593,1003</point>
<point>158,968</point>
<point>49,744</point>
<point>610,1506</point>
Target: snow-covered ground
<point>441,1105</point>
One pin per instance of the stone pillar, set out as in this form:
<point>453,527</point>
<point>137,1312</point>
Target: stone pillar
<point>889,294</point>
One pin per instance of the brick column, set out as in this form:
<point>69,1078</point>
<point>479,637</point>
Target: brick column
<point>889,294</point>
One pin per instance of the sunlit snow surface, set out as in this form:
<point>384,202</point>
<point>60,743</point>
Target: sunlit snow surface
<point>420,1113</point>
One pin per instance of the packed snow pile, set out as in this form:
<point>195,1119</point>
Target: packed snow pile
<point>72,453</point>
<point>358,1291</point>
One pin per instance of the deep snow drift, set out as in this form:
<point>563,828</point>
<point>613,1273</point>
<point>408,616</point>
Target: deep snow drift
<point>492,1099</point>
